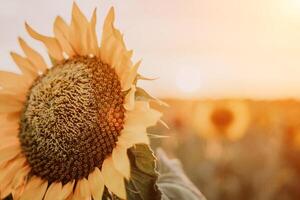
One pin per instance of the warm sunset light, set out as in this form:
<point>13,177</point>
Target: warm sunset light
<point>152,100</point>
<point>290,8</point>
<point>254,43</point>
<point>188,80</point>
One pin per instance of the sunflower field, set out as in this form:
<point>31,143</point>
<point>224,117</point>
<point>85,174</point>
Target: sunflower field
<point>236,149</point>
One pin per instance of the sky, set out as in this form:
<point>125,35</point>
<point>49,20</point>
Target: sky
<point>196,48</point>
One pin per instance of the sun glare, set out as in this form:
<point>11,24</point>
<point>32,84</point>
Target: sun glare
<point>188,80</point>
<point>290,8</point>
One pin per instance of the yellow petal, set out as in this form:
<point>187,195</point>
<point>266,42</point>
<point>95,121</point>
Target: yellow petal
<point>137,128</point>
<point>5,192</point>
<point>6,176</point>
<point>14,116</point>
<point>16,193</point>
<point>53,191</point>
<point>9,140</point>
<point>127,80</point>
<point>107,50</point>
<point>79,31</point>
<point>142,115</point>
<point>96,184</point>
<point>113,49</point>
<point>35,190</point>
<point>7,122</point>
<point>121,161</point>
<point>70,197</point>
<point>34,182</point>
<point>9,151</point>
<point>108,26</point>
<point>128,139</point>
<point>108,43</point>
<point>8,132</point>
<point>19,94</point>
<point>116,49</point>
<point>8,173</point>
<point>9,80</point>
<point>24,65</point>
<point>62,33</point>
<point>123,66</point>
<point>9,103</point>
<point>92,36</point>
<point>82,190</point>
<point>33,56</point>
<point>51,44</point>
<point>67,190</point>
<point>113,180</point>
<point>20,177</point>
<point>130,98</point>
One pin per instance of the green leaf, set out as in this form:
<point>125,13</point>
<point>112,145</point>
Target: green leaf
<point>172,182</point>
<point>142,184</point>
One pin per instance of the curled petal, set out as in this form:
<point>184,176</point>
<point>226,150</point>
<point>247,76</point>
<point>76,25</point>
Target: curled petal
<point>127,79</point>
<point>130,98</point>
<point>51,44</point>
<point>24,65</point>
<point>33,56</point>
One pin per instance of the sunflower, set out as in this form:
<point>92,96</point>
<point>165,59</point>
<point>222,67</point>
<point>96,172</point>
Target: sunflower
<point>66,128</point>
<point>229,119</point>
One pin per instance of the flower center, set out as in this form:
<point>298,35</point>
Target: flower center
<point>72,119</point>
<point>222,118</point>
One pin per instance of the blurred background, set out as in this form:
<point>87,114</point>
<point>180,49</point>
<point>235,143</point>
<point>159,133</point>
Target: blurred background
<point>229,71</point>
<point>236,149</point>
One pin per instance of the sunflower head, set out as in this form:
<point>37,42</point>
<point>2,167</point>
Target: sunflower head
<point>66,128</point>
<point>78,105</point>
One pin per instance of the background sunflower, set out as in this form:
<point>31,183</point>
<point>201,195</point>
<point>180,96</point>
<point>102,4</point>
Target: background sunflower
<point>228,119</point>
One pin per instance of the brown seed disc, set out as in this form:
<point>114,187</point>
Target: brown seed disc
<point>71,120</point>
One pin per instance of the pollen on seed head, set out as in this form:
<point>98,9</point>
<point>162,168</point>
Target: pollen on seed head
<point>71,120</point>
